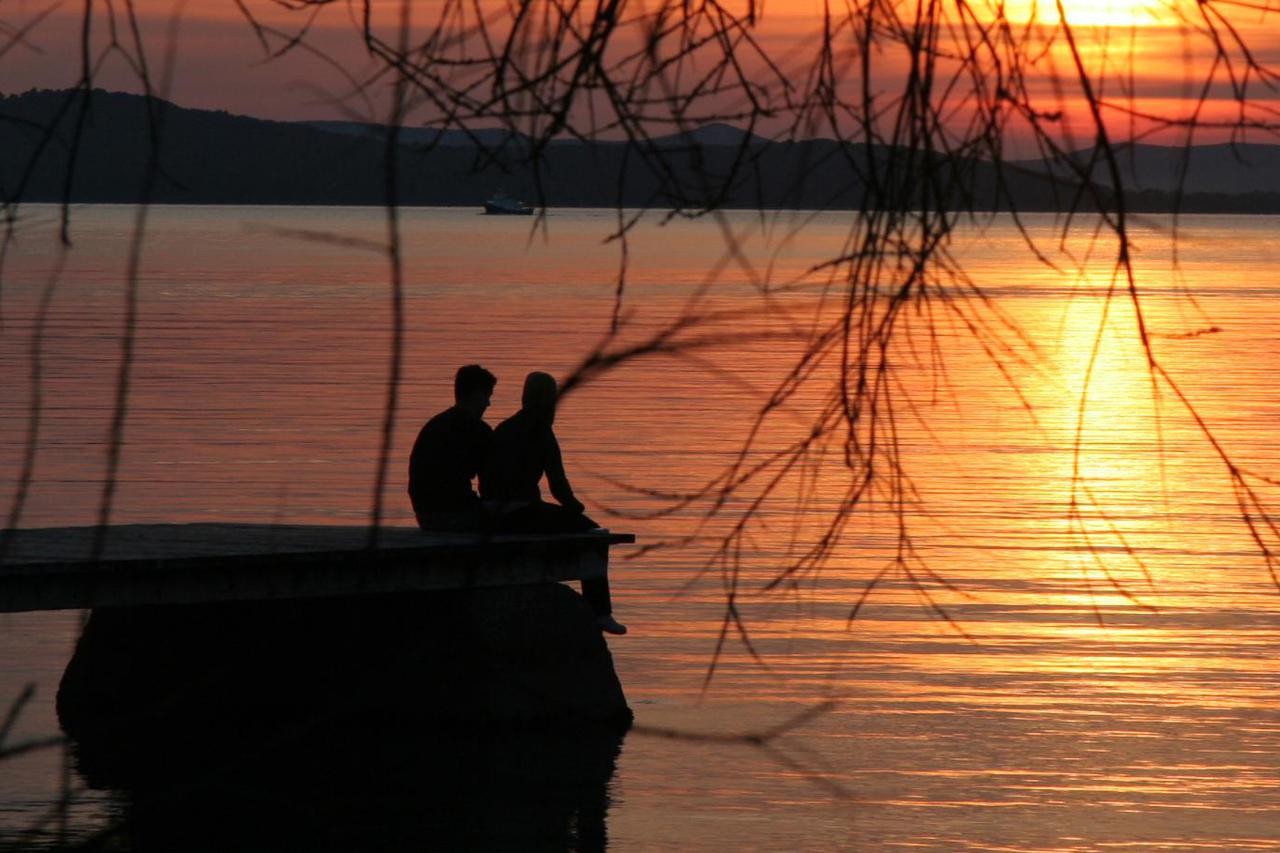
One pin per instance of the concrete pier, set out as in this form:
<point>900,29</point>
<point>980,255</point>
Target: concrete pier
<point>145,564</point>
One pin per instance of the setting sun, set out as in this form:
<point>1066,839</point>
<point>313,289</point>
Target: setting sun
<point>1099,13</point>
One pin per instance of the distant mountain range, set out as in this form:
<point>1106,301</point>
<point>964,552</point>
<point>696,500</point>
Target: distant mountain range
<point>1216,169</point>
<point>208,157</point>
<point>716,133</point>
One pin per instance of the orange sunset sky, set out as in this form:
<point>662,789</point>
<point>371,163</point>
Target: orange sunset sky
<point>1147,58</point>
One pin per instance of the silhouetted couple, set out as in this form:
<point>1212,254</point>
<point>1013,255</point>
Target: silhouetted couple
<point>457,445</point>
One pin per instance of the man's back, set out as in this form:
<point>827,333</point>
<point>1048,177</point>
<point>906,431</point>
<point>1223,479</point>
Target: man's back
<point>450,449</point>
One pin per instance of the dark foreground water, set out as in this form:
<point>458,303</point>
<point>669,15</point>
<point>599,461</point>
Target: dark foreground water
<point>1055,713</point>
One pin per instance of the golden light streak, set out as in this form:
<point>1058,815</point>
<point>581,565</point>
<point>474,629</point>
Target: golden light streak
<point>1100,13</point>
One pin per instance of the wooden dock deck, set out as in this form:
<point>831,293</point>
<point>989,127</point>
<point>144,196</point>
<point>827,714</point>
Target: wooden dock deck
<point>50,568</point>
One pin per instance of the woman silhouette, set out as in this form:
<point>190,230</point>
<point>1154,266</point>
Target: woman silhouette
<point>525,450</point>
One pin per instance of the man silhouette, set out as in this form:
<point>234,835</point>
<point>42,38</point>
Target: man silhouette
<point>449,452</point>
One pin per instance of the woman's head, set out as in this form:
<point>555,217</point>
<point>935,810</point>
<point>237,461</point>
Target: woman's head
<point>540,395</point>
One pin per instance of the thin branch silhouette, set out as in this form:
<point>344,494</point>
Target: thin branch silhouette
<point>923,103</point>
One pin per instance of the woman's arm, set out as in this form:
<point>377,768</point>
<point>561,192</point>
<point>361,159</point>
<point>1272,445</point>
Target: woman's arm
<point>556,479</point>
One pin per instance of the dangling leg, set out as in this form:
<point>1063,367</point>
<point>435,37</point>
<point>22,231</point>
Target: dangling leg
<point>596,592</point>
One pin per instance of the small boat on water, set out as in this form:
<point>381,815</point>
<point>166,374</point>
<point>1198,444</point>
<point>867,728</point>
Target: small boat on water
<point>502,204</point>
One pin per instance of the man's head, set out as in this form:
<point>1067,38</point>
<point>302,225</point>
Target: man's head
<point>473,388</point>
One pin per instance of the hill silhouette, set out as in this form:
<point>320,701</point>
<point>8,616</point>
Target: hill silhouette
<point>1223,169</point>
<point>214,157</point>
<point>716,133</point>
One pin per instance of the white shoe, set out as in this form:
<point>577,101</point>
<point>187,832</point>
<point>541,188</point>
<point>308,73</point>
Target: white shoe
<point>610,625</point>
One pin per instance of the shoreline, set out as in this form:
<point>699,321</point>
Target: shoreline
<point>1271,209</point>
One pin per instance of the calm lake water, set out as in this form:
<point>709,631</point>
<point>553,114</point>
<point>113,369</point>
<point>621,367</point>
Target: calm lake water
<point>1056,711</point>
